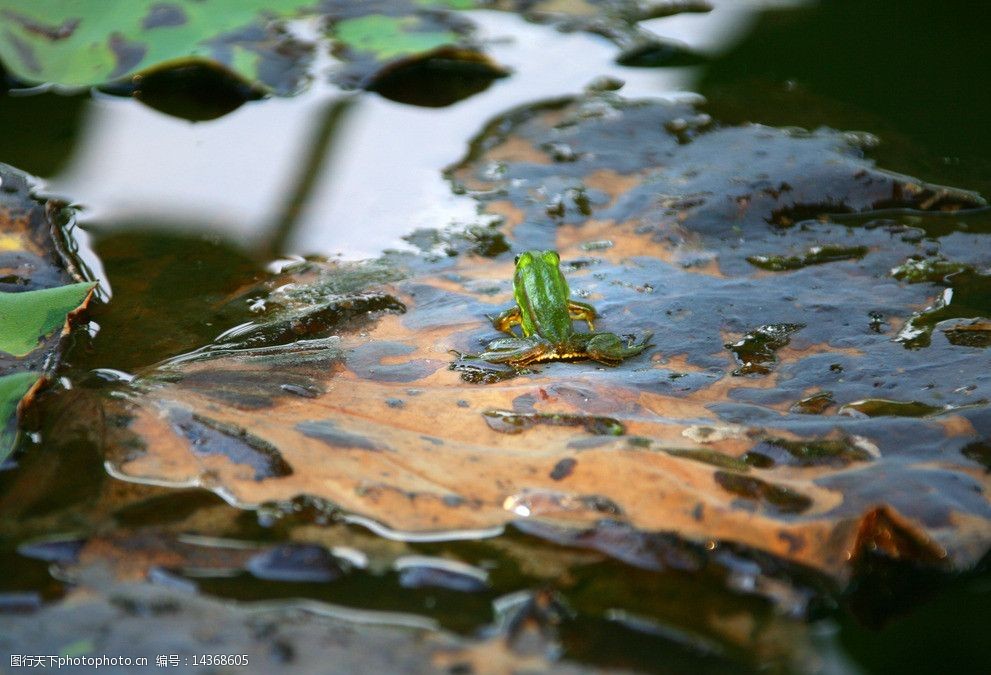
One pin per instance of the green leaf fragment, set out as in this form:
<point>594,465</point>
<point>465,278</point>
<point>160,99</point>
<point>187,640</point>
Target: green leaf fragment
<point>755,351</point>
<point>26,318</point>
<point>12,389</point>
<point>390,37</point>
<point>814,451</point>
<point>817,255</point>
<point>880,407</point>
<point>77,648</point>
<point>968,298</point>
<point>449,4</point>
<point>916,271</point>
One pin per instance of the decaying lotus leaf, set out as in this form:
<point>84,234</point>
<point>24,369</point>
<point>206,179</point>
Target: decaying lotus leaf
<point>344,389</point>
<point>29,239</point>
<point>38,300</point>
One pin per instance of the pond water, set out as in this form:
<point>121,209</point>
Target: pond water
<point>381,166</point>
<point>183,223</point>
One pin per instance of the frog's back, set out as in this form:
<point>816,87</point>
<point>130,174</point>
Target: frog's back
<point>542,294</point>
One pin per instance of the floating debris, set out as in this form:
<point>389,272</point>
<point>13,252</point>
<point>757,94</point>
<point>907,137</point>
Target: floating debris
<point>755,350</point>
<point>549,503</point>
<point>509,422</point>
<point>819,451</point>
<point>880,407</point>
<point>934,270</point>
<point>710,457</point>
<point>781,499</point>
<point>817,255</point>
<point>816,404</point>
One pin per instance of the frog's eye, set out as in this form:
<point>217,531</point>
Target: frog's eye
<point>516,260</point>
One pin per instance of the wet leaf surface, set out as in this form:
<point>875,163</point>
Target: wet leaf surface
<point>341,389</point>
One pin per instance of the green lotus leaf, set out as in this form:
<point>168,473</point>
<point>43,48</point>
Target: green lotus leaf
<point>27,317</point>
<point>92,42</point>
<point>12,390</point>
<point>389,37</point>
<point>80,43</point>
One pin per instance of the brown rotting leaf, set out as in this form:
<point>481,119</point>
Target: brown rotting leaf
<point>333,398</point>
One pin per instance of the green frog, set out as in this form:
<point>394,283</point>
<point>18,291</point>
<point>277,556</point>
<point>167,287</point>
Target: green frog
<point>544,312</point>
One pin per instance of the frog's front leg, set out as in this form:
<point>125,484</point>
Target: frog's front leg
<point>505,320</point>
<point>579,311</point>
<point>516,351</point>
<point>610,349</point>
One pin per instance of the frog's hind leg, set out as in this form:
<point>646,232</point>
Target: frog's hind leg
<point>610,349</point>
<point>579,311</point>
<point>516,351</point>
<point>505,320</point>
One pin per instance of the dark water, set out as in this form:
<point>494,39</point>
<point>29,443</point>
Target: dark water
<point>911,73</point>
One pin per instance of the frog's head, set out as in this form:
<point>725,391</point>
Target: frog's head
<point>537,259</point>
<point>538,279</point>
